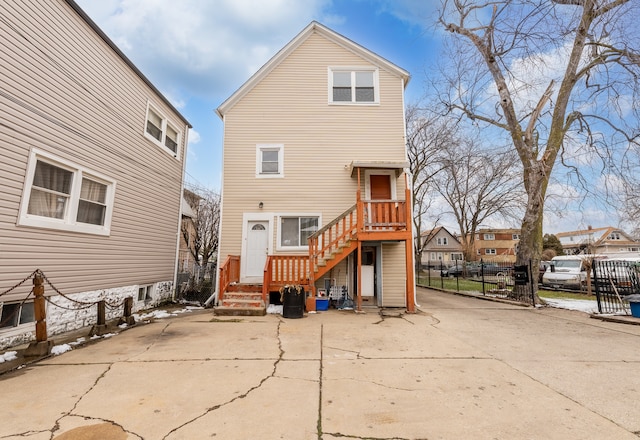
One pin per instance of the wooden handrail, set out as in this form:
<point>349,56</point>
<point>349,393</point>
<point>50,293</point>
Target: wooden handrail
<point>332,223</point>
<point>229,273</point>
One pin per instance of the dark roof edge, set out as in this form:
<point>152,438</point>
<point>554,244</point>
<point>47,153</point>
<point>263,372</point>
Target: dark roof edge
<point>115,48</point>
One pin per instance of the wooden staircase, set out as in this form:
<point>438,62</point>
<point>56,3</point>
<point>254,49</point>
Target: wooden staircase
<point>371,220</point>
<point>242,300</point>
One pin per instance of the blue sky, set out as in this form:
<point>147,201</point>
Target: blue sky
<point>198,52</point>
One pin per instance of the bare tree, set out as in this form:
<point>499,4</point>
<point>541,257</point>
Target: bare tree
<point>205,205</point>
<point>559,78</point>
<point>478,184</point>
<point>427,134</point>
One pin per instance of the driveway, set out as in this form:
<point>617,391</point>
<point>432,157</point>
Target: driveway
<point>460,368</point>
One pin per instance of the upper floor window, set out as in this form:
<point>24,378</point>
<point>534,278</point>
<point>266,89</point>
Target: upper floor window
<point>269,160</point>
<point>353,85</point>
<point>61,195</point>
<point>160,131</point>
<point>515,236</point>
<point>490,251</point>
<point>489,236</point>
<point>442,241</point>
<point>615,236</point>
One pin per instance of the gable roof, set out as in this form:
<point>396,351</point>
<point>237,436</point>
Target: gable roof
<point>594,236</point>
<point>313,27</point>
<point>431,234</point>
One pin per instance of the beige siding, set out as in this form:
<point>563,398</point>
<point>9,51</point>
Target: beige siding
<point>66,92</point>
<point>394,275</point>
<point>290,107</point>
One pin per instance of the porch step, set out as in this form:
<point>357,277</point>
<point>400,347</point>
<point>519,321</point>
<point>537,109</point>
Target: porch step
<point>242,300</point>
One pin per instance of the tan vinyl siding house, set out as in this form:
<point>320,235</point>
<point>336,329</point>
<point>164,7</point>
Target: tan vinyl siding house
<point>316,151</point>
<point>73,112</point>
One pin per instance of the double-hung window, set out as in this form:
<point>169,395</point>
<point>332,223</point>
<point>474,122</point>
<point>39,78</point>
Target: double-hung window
<point>353,86</point>
<point>295,230</point>
<point>160,131</point>
<point>62,195</point>
<point>270,160</point>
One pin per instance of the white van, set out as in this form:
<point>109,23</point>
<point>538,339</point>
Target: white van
<point>568,271</point>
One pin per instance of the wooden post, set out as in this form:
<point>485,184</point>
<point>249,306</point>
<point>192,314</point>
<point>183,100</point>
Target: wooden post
<point>102,313</point>
<point>128,306</point>
<point>39,309</point>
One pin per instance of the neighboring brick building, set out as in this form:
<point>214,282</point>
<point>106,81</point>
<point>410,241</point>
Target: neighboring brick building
<point>498,245</point>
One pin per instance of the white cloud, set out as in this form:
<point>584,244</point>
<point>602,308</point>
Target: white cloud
<point>194,137</point>
<point>212,47</point>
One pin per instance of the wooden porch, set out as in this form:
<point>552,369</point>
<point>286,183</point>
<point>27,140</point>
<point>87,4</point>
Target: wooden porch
<point>367,220</point>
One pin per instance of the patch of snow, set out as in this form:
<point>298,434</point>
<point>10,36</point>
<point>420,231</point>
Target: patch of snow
<point>275,309</point>
<point>582,305</point>
<point>77,342</point>
<point>9,356</point>
<point>59,349</point>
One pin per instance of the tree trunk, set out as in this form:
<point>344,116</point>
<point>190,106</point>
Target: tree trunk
<point>530,248</point>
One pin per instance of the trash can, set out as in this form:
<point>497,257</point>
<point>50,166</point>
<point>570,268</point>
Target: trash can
<point>634,304</point>
<point>293,302</point>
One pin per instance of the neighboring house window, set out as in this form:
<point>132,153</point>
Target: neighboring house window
<point>489,236</point>
<point>15,314</point>
<point>62,195</point>
<point>490,251</point>
<point>269,160</point>
<point>442,241</point>
<point>160,131</point>
<point>614,236</point>
<point>144,292</point>
<point>353,86</point>
<point>456,256</point>
<point>515,236</point>
<point>434,256</point>
<point>294,231</point>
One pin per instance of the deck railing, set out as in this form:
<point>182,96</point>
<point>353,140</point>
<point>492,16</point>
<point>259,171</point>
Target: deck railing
<point>229,273</point>
<point>384,215</point>
<point>280,270</point>
<point>329,238</point>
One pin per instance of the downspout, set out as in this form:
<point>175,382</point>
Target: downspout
<point>177,256</point>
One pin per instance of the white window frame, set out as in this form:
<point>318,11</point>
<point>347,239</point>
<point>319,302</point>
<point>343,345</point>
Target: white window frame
<point>353,70</point>
<point>19,328</point>
<point>490,251</point>
<point>280,216</point>
<point>489,236</point>
<point>148,290</point>
<point>260,148</point>
<point>164,122</point>
<point>69,222</point>
<point>515,236</point>
<point>442,241</point>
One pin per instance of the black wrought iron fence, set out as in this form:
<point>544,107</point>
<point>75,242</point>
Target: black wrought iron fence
<point>497,279</point>
<point>614,281</point>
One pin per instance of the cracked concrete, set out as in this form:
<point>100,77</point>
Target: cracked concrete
<point>462,369</point>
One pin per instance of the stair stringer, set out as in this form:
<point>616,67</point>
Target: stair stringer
<point>337,257</point>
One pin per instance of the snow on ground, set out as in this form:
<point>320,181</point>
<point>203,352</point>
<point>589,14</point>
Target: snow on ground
<point>583,305</point>
<point>8,356</point>
<point>59,349</point>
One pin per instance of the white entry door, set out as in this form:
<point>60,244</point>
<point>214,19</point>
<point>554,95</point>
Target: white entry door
<point>256,250</point>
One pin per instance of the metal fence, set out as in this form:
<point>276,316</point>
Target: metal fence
<point>495,279</point>
<point>614,281</point>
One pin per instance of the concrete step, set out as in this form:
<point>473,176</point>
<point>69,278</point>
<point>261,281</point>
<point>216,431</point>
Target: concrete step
<point>244,287</point>
<point>254,296</point>
<point>239,311</point>
<point>232,302</point>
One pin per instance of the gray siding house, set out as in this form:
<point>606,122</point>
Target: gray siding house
<point>92,171</point>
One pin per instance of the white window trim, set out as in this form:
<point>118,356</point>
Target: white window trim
<point>353,69</point>
<point>489,236</point>
<point>165,123</point>
<point>489,251</point>
<point>280,215</point>
<point>150,290</point>
<point>68,223</point>
<point>8,332</point>
<point>262,147</point>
